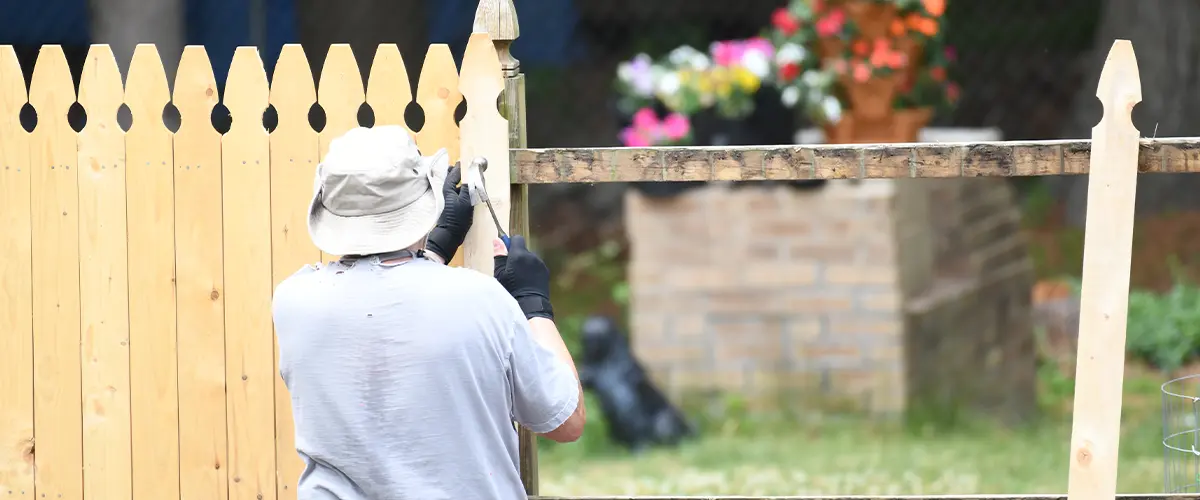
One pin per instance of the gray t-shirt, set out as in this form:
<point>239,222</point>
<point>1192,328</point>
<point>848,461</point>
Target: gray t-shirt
<point>405,381</point>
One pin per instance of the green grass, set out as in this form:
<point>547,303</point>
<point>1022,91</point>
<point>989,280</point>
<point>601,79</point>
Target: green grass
<point>844,456</point>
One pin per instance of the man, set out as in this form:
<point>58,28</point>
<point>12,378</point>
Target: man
<point>405,374</point>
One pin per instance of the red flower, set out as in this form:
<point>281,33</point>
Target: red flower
<point>784,21</point>
<point>952,92</point>
<point>789,72</point>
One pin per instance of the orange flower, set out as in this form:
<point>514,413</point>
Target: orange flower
<point>860,47</point>
<point>935,7</point>
<point>898,28</point>
<point>922,25</point>
<point>938,74</point>
<point>862,73</point>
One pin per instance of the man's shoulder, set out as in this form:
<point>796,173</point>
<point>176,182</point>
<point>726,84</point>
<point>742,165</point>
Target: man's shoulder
<point>469,280</point>
<point>297,278</point>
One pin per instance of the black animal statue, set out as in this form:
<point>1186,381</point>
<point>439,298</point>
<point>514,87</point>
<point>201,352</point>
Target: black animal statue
<point>637,413</point>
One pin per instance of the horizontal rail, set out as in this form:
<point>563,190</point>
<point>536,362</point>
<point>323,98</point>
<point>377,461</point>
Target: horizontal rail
<point>1048,497</point>
<point>844,161</point>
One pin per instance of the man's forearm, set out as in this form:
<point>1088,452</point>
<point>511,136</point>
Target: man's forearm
<point>546,334</point>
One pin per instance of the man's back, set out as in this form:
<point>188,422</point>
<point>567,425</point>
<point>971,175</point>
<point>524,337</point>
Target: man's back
<point>402,381</point>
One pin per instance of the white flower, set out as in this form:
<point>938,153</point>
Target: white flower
<point>811,78</point>
<point>668,84</point>
<point>790,53</point>
<point>688,57</point>
<point>790,96</point>
<point>832,109</point>
<point>756,62</point>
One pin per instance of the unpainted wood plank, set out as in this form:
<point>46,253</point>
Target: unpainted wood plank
<point>438,95</point>
<point>1104,295</point>
<point>841,161</point>
<point>249,342</point>
<point>484,133</point>
<point>103,282</point>
<point>388,89</point>
<point>16,287</point>
<point>54,194</point>
<point>200,298</point>
<point>340,93</point>
<point>294,154</point>
<point>150,208</point>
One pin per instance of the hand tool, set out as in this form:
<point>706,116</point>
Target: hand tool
<point>473,178</point>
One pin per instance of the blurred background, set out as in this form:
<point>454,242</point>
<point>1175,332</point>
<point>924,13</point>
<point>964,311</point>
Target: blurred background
<point>819,341</point>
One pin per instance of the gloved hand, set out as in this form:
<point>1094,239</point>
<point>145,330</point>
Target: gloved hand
<point>455,221</point>
<point>525,276</point>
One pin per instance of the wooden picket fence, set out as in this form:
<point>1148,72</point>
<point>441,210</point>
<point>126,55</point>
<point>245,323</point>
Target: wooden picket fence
<point>137,357</point>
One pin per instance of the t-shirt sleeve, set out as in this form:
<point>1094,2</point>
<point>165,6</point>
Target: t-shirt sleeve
<point>545,392</point>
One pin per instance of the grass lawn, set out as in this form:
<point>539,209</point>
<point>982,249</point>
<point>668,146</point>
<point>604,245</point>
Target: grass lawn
<point>843,456</point>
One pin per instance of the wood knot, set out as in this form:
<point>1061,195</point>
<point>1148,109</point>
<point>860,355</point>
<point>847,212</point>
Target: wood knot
<point>214,295</point>
<point>1083,456</point>
<point>208,92</point>
<point>443,93</point>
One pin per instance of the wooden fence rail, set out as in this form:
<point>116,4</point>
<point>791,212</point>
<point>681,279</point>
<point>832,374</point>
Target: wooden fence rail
<point>854,161</point>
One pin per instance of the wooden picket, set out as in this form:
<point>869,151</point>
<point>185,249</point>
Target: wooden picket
<point>137,267</point>
<point>16,283</point>
<point>294,156</point>
<point>103,282</point>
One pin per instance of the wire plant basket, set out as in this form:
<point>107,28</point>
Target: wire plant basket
<point>1181,435</point>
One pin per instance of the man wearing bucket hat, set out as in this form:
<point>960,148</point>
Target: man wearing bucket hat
<point>406,374</point>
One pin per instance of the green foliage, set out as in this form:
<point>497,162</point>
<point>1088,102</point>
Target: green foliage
<point>1165,329</point>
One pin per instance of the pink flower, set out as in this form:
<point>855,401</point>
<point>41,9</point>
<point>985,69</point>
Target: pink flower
<point>727,53</point>
<point>633,139</point>
<point>644,120</point>
<point>676,126</point>
<point>951,54</point>
<point>759,44</point>
<point>832,23</point>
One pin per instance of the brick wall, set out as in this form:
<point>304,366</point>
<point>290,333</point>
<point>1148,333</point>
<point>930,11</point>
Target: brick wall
<point>775,293</point>
<point>798,298</point>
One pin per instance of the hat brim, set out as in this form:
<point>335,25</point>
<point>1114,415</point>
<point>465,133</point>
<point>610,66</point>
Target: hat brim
<point>378,233</point>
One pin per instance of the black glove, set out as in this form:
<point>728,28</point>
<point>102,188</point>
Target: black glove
<point>455,221</point>
<point>527,278</point>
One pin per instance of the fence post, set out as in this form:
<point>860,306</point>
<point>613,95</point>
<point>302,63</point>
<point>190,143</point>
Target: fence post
<point>499,19</point>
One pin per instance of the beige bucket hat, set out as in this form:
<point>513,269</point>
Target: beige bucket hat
<point>375,193</point>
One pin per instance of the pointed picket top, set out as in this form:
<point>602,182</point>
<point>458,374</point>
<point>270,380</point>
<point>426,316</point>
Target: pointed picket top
<point>100,91</point>
<point>12,92</point>
<point>51,90</point>
<point>246,92</point>
<point>146,92</point>
<point>195,91</point>
<point>340,93</point>
<point>497,18</point>
<point>292,90</point>
<point>439,97</point>
<point>1120,78</point>
<point>481,80</point>
<point>388,89</point>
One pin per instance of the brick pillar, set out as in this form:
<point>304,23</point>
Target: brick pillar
<point>789,297</point>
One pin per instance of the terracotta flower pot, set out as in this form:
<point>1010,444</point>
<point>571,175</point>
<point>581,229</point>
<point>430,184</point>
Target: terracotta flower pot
<point>830,48</point>
<point>907,123</point>
<point>871,100</point>
<point>872,18</point>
